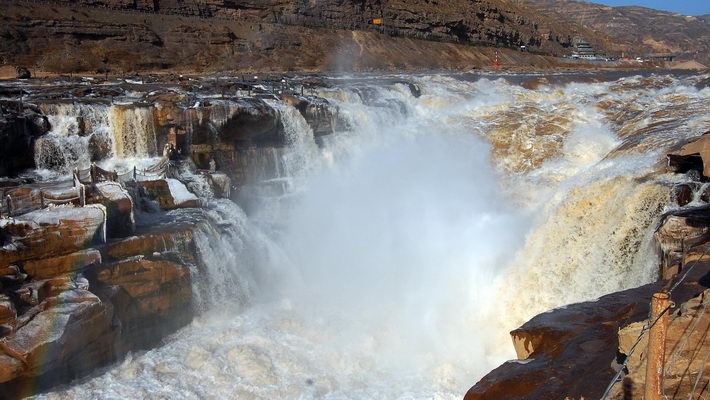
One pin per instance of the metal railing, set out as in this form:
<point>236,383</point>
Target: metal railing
<point>21,200</point>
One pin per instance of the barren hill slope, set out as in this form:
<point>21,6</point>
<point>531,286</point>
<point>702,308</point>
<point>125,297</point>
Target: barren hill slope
<point>124,36</point>
<point>635,31</point>
<point>121,36</point>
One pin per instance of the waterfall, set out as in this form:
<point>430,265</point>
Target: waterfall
<point>233,252</point>
<point>80,134</point>
<point>133,131</point>
<point>413,239</point>
<point>83,133</point>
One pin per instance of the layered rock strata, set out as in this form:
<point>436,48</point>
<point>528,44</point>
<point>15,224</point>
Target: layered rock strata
<point>81,286</point>
<point>116,37</point>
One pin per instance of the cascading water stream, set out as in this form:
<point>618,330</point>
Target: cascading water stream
<point>410,243</point>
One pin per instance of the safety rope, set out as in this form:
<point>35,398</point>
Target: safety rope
<point>686,338</point>
<point>645,329</point>
<point>700,374</point>
<point>648,327</point>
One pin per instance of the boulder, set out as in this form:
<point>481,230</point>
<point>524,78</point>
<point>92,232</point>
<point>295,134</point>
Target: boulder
<point>699,146</point>
<point>120,220</point>
<point>678,231</point>
<point>49,267</point>
<point>51,232</point>
<point>70,335</point>
<point>253,122</point>
<point>171,194</point>
<point>171,238</point>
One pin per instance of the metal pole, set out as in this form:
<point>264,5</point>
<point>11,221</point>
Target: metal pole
<point>92,172</point>
<point>8,199</point>
<point>656,346</point>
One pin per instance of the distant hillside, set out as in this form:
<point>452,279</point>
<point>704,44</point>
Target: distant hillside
<point>635,31</point>
<point>123,36</point>
<point>221,35</point>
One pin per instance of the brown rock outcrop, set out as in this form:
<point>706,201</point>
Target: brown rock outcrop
<point>174,238</point>
<point>701,147</point>
<point>70,334</point>
<point>578,340</point>
<point>686,335</point>
<point>151,297</point>
<point>48,267</point>
<point>120,221</point>
<point>677,233</point>
<point>51,232</point>
<point>170,194</point>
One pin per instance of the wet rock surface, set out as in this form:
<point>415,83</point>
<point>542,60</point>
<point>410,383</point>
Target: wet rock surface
<point>72,299</point>
<point>20,126</point>
<point>579,340</point>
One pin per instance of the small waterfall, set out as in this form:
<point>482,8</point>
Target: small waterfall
<point>301,151</point>
<point>80,134</point>
<point>85,133</point>
<point>235,257</point>
<point>133,131</point>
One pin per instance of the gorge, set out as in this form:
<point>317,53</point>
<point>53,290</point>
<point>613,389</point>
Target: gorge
<point>324,236</point>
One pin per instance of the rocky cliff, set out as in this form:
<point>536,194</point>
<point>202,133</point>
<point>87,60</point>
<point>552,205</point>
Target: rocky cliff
<point>78,292</point>
<point>635,31</point>
<point>119,37</point>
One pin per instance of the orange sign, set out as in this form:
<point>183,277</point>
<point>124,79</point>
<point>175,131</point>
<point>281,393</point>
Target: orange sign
<point>377,21</point>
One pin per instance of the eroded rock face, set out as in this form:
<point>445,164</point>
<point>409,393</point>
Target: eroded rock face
<point>68,334</point>
<point>678,232</point>
<point>49,267</point>
<point>70,302</point>
<point>176,238</point>
<point>151,297</point>
<point>52,232</point>
<point>579,340</point>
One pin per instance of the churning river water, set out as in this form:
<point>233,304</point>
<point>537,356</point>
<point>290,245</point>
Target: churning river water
<point>407,244</point>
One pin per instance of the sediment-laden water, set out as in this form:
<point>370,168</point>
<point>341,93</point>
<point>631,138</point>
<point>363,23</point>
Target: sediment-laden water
<point>402,248</point>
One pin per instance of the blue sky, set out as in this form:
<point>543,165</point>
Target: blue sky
<point>687,7</point>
